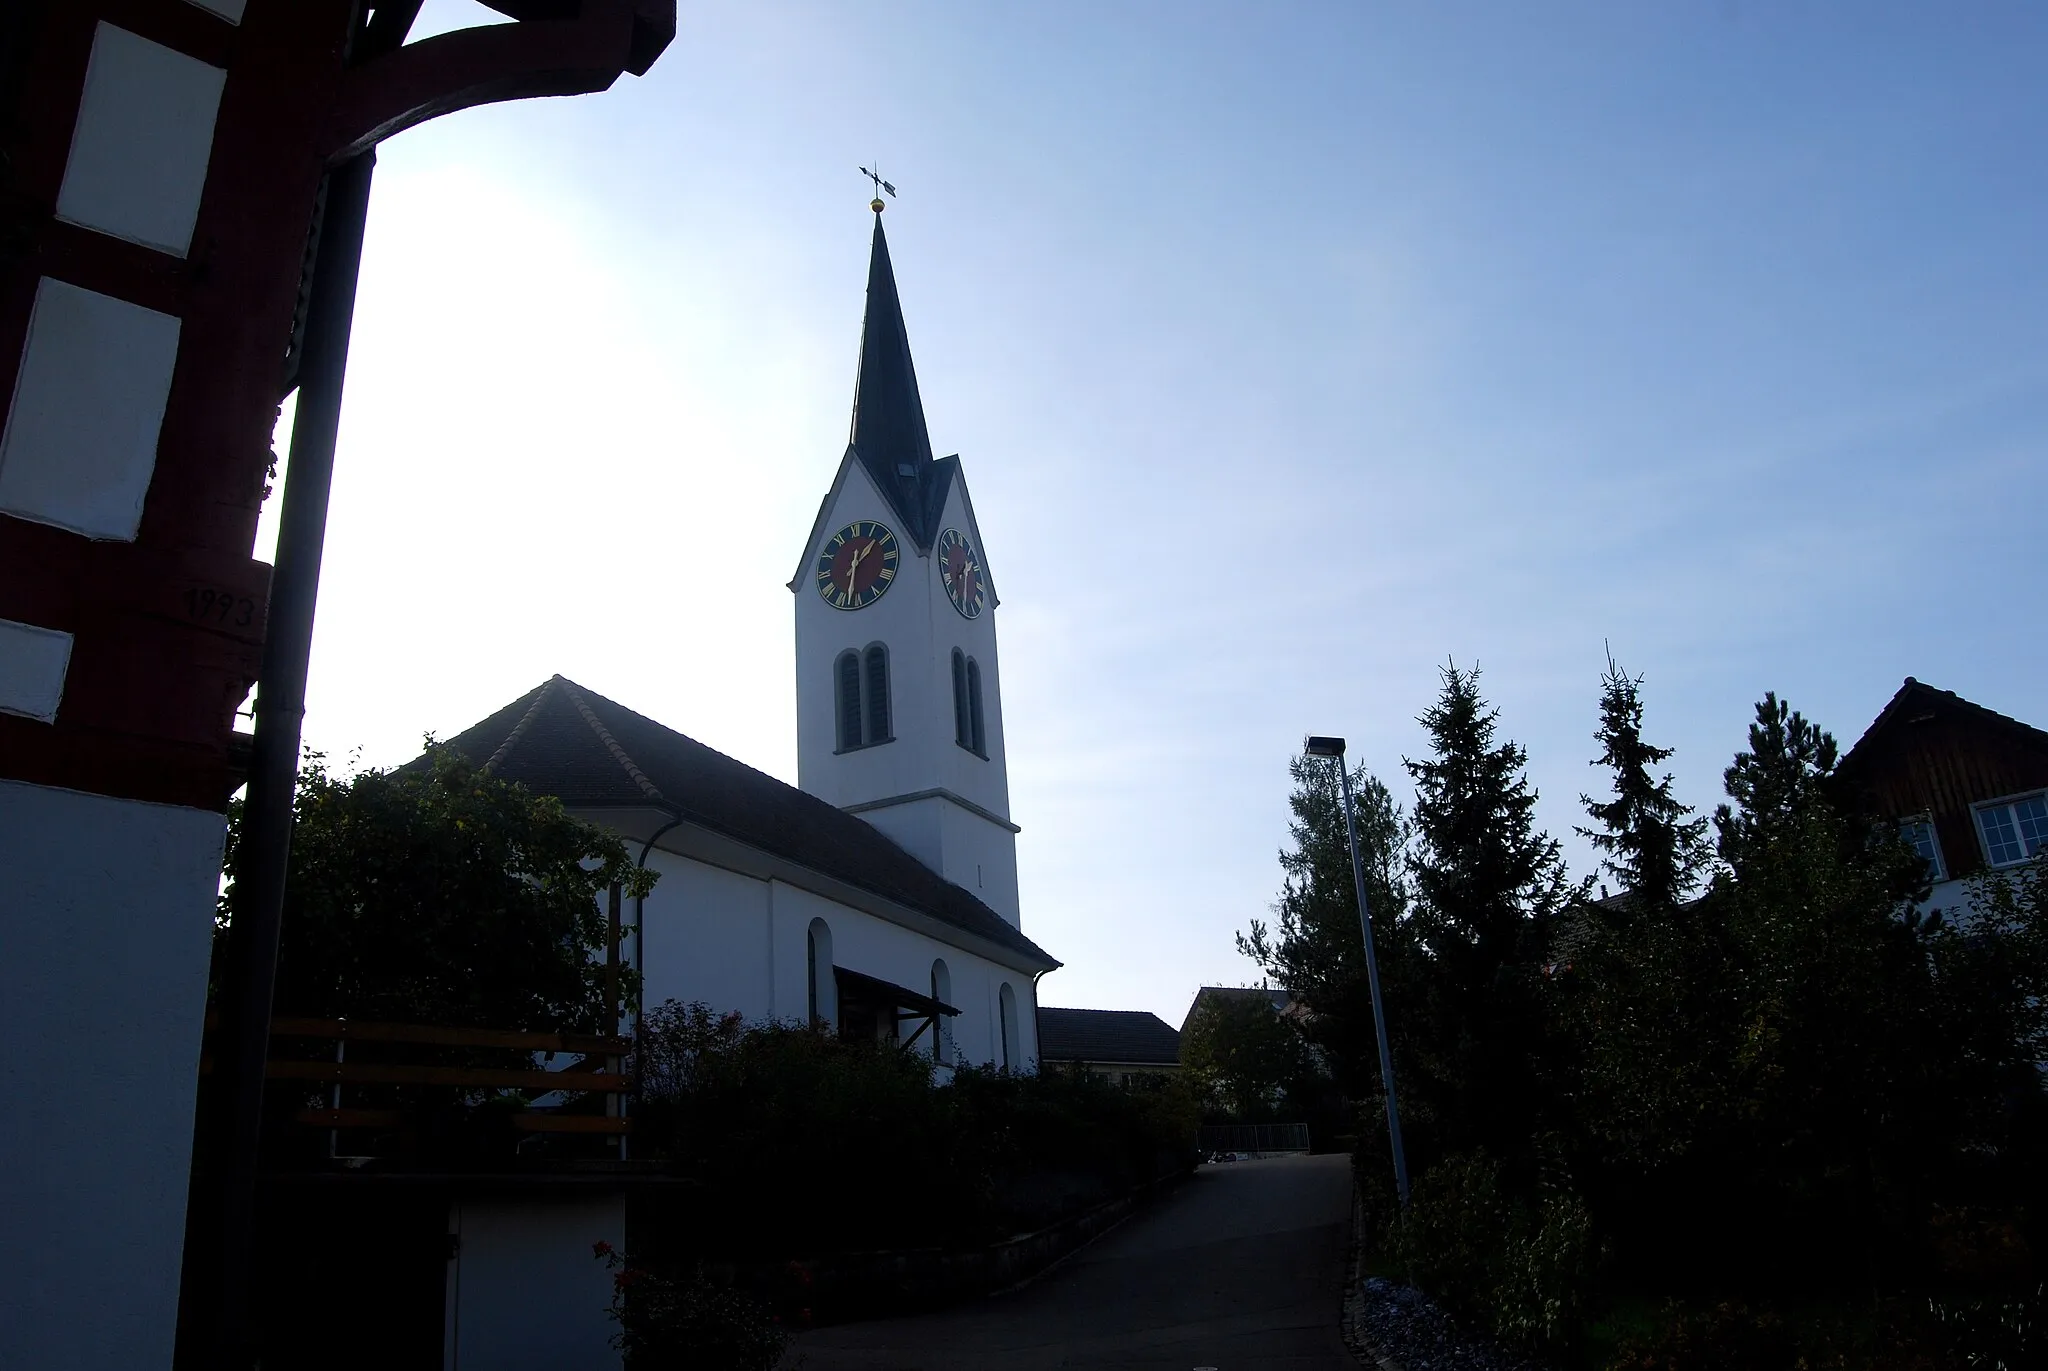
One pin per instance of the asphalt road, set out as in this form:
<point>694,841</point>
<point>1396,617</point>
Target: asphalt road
<point>1240,1269</point>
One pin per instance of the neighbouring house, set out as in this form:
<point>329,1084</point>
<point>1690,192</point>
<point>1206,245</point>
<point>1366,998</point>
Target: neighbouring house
<point>1967,786</point>
<point>1127,1046</point>
<point>1283,1001</point>
<point>879,894</point>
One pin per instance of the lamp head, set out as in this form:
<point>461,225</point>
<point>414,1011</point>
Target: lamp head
<point>1323,747</point>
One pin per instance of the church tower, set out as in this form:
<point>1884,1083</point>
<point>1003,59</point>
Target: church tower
<point>899,710</point>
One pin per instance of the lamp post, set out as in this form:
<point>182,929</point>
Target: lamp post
<point>1333,748</point>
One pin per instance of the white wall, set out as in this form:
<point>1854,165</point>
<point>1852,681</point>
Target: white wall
<point>920,627</point>
<point>106,920</point>
<point>525,1290</point>
<point>737,942</point>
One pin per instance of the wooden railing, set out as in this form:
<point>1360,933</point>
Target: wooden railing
<point>598,1072</point>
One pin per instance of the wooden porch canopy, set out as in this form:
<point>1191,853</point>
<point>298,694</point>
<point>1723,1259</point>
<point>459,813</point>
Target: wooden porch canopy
<point>901,1001</point>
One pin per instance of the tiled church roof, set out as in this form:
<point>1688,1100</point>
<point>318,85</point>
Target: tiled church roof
<point>1106,1035</point>
<point>592,753</point>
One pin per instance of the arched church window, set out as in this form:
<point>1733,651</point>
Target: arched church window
<point>942,1027</point>
<point>846,683</point>
<point>822,992</point>
<point>980,742</point>
<point>877,694</point>
<point>1006,1001</point>
<point>963,725</point>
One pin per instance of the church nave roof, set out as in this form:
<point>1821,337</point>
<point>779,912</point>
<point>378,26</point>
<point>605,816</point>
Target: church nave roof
<point>563,740</point>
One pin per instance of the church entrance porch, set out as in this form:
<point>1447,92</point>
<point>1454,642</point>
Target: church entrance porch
<point>874,1010</point>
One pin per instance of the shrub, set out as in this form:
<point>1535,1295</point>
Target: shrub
<point>686,1318</point>
<point>1522,1271</point>
<point>806,1145</point>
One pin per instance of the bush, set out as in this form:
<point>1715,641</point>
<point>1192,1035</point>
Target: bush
<point>806,1145</point>
<point>686,1318</point>
<point>1521,1271</point>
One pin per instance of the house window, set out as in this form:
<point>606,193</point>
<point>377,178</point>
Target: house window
<point>1919,835</point>
<point>860,684</point>
<point>2014,830</point>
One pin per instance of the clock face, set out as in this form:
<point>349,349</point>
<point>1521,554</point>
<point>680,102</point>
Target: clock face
<point>960,569</point>
<point>857,564</point>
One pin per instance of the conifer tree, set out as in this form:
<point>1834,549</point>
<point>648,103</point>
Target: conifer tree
<point>1647,972</point>
<point>1487,885</point>
<point>1649,842</point>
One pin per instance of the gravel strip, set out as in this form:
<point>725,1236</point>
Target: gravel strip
<point>1401,1330</point>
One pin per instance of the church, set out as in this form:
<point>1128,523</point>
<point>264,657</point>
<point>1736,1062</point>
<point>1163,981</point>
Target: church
<point>879,895</point>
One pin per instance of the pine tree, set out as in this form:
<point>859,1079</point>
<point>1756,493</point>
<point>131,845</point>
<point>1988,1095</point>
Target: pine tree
<point>1487,887</point>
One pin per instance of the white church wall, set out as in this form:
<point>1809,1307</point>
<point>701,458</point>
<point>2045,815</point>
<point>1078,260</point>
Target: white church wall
<point>901,620</point>
<point>106,925</point>
<point>985,781</point>
<point>706,935</point>
<point>980,858</point>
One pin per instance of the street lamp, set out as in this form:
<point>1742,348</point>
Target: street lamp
<point>1333,748</point>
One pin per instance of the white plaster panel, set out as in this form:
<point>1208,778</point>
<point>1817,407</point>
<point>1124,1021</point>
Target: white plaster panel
<point>526,1293</point>
<point>32,665</point>
<point>704,936</point>
<point>80,443</point>
<point>106,923</point>
<point>230,10</point>
<point>142,141</point>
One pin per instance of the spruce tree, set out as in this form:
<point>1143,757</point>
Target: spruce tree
<point>1652,847</point>
<point>1487,886</point>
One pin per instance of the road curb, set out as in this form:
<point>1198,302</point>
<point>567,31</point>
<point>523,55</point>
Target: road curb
<point>1353,1320</point>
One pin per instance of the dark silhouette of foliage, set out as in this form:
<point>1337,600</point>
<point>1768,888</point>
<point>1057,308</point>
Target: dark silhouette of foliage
<point>442,895</point>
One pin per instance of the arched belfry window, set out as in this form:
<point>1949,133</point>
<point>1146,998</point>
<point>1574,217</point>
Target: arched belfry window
<point>878,693</point>
<point>846,684</point>
<point>860,697</point>
<point>974,721</point>
<point>963,722</point>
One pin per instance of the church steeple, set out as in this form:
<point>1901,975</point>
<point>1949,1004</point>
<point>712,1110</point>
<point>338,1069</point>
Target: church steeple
<point>889,433</point>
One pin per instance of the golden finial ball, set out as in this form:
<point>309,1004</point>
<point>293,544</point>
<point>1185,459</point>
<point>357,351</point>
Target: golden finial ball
<point>876,204</point>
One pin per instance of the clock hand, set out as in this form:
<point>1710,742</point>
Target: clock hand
<point>853,565</point>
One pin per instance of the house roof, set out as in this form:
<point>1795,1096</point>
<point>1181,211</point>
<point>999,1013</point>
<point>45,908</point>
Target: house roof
<point>1279,999</point>
<point>592,753</point>
<point>889,434</point>
<point>1106,1035</point>
<point>1916,697</point>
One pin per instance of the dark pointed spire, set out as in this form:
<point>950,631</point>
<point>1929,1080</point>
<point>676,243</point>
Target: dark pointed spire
<point>888,416</point>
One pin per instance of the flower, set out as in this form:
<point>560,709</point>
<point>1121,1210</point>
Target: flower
<point>600,1248</point>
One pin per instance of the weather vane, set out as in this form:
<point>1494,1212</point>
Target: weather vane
<point>880,186</point>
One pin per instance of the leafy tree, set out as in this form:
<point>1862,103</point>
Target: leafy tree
<point>1316,948</point>
<point>1487,888</point>
<point>442,895</point>
<point>1239,1049</point>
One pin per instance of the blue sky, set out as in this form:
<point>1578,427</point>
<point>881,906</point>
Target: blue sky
<point>1290,350</point>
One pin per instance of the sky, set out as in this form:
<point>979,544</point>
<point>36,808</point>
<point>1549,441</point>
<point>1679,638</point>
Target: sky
<point>1292,351</point>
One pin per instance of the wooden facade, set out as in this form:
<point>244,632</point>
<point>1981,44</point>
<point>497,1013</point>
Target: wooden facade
<point>1930,753</point>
